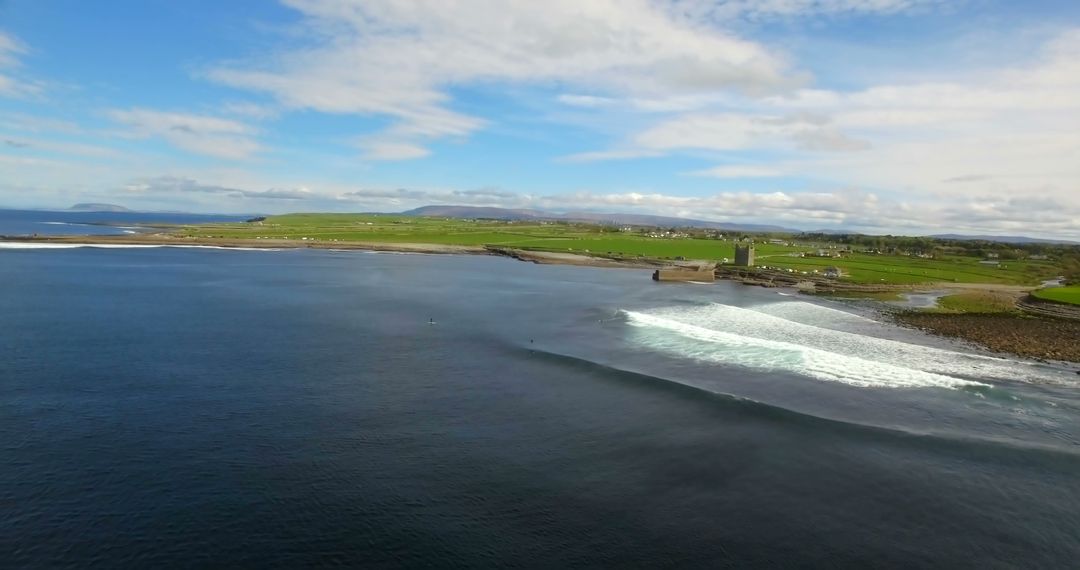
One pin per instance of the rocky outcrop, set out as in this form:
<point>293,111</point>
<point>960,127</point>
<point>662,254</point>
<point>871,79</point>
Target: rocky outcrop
<point>805,283</point>
<point>1029,336</point>
<point>684,274</point>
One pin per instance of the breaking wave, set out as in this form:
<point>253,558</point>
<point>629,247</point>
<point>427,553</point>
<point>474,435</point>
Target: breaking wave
<point>813,422</point>
<point>820,342</point>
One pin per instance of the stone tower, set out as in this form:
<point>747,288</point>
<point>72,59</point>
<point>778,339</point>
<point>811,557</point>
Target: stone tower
<point>744,255</point>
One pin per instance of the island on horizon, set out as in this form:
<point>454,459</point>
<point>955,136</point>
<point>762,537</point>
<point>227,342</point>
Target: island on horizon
<point>98,207</point>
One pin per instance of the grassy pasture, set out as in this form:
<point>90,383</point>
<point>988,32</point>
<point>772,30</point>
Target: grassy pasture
<point>524,235</point>
<point>1070,295</point>
<point>577,238</point>
<point>978,302</point>
<point>870,268</point>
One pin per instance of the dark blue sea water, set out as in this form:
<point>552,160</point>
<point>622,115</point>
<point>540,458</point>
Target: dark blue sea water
<point>168,407</point>
<point>45,222</point>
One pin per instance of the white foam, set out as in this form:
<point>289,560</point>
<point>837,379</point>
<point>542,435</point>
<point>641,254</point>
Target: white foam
<point>765,354</point>
<point>811,313</point>
<point>821,348</point>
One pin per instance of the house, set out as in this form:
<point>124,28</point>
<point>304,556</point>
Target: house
<point>990,262</point>
<point>833,272</point>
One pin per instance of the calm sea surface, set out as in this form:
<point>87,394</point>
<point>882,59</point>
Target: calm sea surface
<point>168,407</point>
<point>45,222</point>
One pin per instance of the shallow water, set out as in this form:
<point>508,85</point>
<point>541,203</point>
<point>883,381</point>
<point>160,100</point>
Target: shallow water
<point>164,406</point>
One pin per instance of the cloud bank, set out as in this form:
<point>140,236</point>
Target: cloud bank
<point>845,208</point>
<point>402,59</point>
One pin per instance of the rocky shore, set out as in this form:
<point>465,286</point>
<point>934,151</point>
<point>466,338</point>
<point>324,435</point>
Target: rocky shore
<point>1030,336</point>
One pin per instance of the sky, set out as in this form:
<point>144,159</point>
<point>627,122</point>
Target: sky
<point>880,116</point>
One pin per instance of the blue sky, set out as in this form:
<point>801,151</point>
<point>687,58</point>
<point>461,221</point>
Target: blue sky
<point>905,116</point>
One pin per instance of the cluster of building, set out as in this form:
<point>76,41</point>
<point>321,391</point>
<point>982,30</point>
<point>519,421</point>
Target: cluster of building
<point>668,234</point>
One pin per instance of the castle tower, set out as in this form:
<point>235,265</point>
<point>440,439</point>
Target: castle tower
<point>744,255</point>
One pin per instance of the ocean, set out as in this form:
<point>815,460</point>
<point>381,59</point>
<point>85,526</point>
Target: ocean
<point>46,222</point>
<point>206,407</point>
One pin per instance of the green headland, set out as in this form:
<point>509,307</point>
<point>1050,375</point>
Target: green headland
<point>862,259</point>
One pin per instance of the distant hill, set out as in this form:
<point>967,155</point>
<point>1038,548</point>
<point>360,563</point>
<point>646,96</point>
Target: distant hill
<point>1004,239</point>
<point>835,232</point>
<point>590,217</point>
<point>93,207</point>
<point>961,237</point>
<point>477,212</point>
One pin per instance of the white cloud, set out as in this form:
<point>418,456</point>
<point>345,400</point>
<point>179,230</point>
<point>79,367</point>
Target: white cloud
<point>176,185</point>
<point>626,154</point>
<point>36,124</point>
<point>656,104</point>
<point>200,134</point>
<point>847,208</point>
<point>1002,132</point>
<point>587,101</point>
<point>400,59</point>
<point>730,131</point>
<point>35,144</point>
<point>737,171</point>
<point>755,10</point>
<point>11,52</point>
<point>388,150</point>
<point>1008,131</point>
<point>251,110</point>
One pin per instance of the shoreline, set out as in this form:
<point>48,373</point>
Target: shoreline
<point>763,278</point>
<point>170,240</point>
<point>167,240</point>
<point>1015,334</point>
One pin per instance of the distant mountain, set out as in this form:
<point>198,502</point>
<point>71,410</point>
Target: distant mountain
<point>477,212</point>
<point>1004,239</point>
<point>590,217</point>
<point>835,232</point>
<point>92,207</point>
<point>647,220</point>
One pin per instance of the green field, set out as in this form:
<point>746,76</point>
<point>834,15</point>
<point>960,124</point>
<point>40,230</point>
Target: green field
<point>870,268</point>
<point>608,241</point>
<point>978,302</point>
<point>559,237</point>
<point>1070,295</point>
